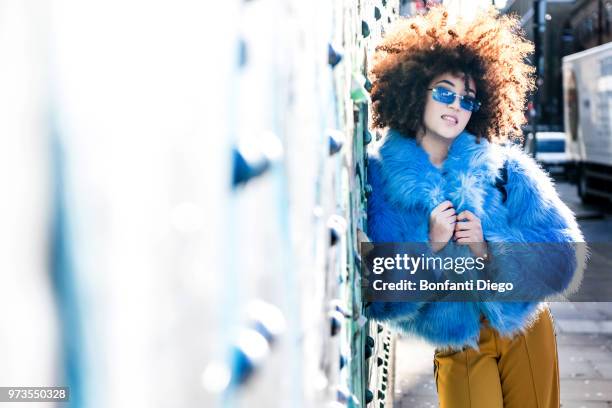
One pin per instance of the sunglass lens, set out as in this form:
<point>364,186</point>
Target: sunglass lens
<point>470,104</point>
<point>447,96</point>
<point>467,104</point>
<point>443,95</point>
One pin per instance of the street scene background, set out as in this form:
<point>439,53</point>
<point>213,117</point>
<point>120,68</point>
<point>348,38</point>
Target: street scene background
<point>184,194</point>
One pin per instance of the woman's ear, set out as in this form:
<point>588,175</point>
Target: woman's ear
<point>420,132</point>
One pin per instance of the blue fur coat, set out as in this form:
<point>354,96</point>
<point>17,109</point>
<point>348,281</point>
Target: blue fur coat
<point>406,187</point>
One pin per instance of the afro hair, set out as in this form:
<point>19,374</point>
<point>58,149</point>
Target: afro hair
<point>491,49</point>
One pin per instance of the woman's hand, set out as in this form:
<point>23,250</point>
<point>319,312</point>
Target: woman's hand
<point>468,231</point>
<point>441,225</point>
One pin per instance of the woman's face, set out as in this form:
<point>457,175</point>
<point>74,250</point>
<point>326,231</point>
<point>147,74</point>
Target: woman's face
<point>447,120</point>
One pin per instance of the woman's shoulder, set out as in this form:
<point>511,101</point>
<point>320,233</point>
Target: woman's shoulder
<point>532,195</point>
<point>394,145</point>
<point>524,171</point>
<point>518,160</point>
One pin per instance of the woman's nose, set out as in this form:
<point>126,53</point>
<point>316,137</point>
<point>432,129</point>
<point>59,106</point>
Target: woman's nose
<point>455,104</point>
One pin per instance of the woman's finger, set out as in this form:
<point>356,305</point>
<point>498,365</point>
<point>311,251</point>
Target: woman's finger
<point>449,211</point>
<point>467,215</point>
<point>441,207</point>
<point>462,234</point>
<point>465,225</point>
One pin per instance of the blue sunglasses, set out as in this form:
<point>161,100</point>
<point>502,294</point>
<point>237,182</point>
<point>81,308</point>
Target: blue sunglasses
<point>446,96</point>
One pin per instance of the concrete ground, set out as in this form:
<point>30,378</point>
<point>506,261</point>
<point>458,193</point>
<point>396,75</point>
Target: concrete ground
<point>584,334</point>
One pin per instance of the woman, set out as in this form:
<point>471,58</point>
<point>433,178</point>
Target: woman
<point>450,95</point>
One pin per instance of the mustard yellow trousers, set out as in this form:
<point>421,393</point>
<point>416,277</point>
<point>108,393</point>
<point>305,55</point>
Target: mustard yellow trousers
<point>522,371</point>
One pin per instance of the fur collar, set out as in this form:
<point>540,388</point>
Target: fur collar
<point>411,181</point>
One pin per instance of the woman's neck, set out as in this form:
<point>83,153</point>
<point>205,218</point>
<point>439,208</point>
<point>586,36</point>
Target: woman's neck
<point>436,147</point>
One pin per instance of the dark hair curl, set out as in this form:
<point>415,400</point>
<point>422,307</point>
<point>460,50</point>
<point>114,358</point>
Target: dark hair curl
<point>491,49</point>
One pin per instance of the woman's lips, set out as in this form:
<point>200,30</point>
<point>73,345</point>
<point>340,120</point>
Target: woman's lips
<point>450,119</point>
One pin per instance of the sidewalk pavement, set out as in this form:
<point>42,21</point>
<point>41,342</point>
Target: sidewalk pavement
<point>584,340</point>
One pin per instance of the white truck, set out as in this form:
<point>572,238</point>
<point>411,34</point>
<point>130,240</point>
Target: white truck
<point>587,98</point>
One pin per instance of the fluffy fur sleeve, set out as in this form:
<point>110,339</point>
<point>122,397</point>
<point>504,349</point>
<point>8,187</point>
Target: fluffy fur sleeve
<point>542,249</point>
<point>387,223</point>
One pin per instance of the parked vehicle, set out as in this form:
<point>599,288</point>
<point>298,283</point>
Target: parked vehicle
<point>549,150</point>
<point>587,97</point>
